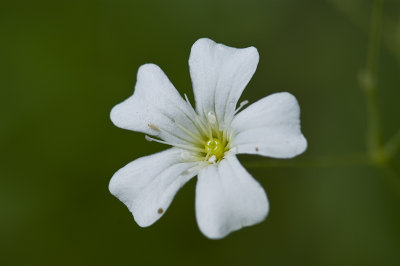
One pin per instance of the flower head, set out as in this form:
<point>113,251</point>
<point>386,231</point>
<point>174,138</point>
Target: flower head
<point>205,140</point>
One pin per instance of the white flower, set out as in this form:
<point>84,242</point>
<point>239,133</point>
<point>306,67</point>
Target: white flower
<point>205,140</point>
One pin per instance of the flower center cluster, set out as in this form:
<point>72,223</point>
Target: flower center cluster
<point>206,143</point>
<point>212,143</point>
<point>214,147</point>
<point>209,144</point>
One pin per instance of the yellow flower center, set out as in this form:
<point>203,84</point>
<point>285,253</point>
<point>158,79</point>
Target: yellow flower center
<point>214,147</point>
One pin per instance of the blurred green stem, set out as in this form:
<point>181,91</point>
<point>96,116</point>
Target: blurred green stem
<point>380,155</point>
<point>351,12</point>
<point>377,154</point>
<point>368,82</point>
<point>392,147</point>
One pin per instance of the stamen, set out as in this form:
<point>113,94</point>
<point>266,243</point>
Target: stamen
<point>199,124</point>
<point>224,140</point>
<point>231,151</point>
<point>241,105</point>
<point>218,132</point>
<point>211,118</point>
<point>206,131</point>
<point>190,157</point>
<point>150,139</point>
<point>187,147</point>
<point>153,127</point>
<point>207,156</point>
<point>194,158</point>
<point>187,100</point>
<point>208,142</point>
<point>195,169</point>
<point>183,146</point>
<point>190,134</point>
<point>185,155</point>
<point>230,136</point>
<point>190,141</point>
<point>212,159</point>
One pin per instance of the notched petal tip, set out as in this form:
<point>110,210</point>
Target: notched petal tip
<point>222,233</point>
<point>148,184</point>
<point>228,199</point>
<point>291,100</point>
<point>301,143</point>
<point>219,75</point>
<point>270,127</point>
<point>117,187</point>
<point>203,42</point>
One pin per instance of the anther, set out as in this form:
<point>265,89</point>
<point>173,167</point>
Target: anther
<point>211,118</point>
<point>186,172</point>
<point>241,105</point>
<point>153,127</point>
<point>185,155</point>
<point>212,159</point>
<point>187,99</point>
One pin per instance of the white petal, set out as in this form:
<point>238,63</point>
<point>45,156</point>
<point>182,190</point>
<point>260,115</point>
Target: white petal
<point>228,198</point>
<point>219,75</point>
<point>270,127</point>
<point>148,185</point>
<point>155,107</point>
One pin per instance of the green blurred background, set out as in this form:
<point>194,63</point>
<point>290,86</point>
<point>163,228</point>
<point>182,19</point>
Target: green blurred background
<point>65,64</point>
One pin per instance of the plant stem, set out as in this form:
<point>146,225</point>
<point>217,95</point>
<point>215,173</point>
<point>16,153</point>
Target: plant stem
<point>380,155</point>
<point>377,154</point>
<point>393,145</point>
<point>368,82</point>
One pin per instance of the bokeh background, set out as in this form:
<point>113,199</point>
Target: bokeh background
<point>65,64</point>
